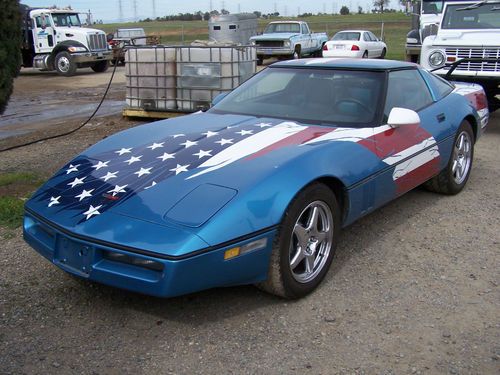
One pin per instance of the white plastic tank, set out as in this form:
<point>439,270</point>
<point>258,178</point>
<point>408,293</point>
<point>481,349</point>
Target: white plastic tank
<point>151,78</point>
<point>205,72</point>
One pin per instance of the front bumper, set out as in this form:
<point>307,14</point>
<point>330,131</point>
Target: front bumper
<point>148,274</point>
<point>274,51</point>
<point>83,57</point>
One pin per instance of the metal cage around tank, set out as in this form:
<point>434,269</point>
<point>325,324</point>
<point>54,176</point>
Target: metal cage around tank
<point>184,78</point>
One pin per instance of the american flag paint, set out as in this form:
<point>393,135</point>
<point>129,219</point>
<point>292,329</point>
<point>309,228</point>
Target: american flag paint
<point>88,186</point>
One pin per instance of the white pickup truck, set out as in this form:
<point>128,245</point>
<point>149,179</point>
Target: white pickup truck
<point>467,46</point>
<point>288,39</point>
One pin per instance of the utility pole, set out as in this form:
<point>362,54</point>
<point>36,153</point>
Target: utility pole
<point>324,8</point>
<point>275,8</point>
<point>211,7</point>
<point>120,10</point>
<point>154,9</point>
<point>135,10</point>
<point>298,11</point>
<point>239,8</point>
<point>223,5</point>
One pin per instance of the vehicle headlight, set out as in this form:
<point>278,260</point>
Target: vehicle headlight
<point>286,43</point>
<point>252,42</point>
<point>412,40</point>
<point>436,58</point>
<point>77,49</point>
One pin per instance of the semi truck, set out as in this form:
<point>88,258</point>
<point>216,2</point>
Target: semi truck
<point>54,39</point>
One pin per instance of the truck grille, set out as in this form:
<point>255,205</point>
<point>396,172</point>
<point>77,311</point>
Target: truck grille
<point>476,53</point>
<point>97,42</point>
<point>269,43</point>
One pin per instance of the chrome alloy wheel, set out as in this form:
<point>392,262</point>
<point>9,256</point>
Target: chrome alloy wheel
<point>63,64</point>
<point>462,157</point>
<point>311,241</point>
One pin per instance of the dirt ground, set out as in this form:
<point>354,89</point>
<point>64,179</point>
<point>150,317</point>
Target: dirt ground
<point>413,288</point>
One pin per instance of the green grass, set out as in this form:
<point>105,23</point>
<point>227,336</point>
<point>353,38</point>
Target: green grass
<point>396,26</point>
<point>15,188</point>
<point>11,211</point>
<point>20,178</point>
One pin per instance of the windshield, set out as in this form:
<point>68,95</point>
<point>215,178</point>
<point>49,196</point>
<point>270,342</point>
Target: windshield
<point>66,19</point>
<point>472,16</point>
<point>432,7</point>
<point>321,96</point>
<point>346,36</point>
<point>282,28</point>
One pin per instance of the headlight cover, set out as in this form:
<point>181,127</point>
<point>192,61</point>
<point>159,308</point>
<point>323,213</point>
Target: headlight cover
<point>437,58</point>
<point>77,49</point>
<point>286,43</point>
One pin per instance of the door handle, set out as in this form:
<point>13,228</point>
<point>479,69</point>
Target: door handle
<point>441,117</point>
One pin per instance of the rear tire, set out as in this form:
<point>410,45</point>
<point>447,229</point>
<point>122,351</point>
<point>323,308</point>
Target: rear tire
<point>365,55</point>
<point>260,60</point>
<point>305,244</point>
<point>452,179</point>
<point>101,66</point>
<point>64,64</point>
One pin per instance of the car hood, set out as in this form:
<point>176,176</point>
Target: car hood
<point>274,36</point>
<point>461,38</point>
<point>146,171</point>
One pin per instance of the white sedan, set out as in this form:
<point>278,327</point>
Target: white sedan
<point>355,43</point>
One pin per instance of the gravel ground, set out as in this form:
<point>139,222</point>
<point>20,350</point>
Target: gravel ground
<point>413,289</point>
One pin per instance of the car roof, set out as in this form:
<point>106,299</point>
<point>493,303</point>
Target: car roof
<point>345,63</point>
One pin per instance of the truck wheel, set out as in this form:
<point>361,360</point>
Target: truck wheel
<point>296,53</point>
<point>101,66</point>
<point>64,64</point>
<point>260,60</point>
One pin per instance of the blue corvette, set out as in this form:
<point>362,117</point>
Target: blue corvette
<point>256,189</point>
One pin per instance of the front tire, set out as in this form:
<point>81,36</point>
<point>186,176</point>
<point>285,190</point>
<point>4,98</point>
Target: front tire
<point>453,178</point>
<point>296,54</point>
<point>101,66</point>
<point>305,243</point>
<point>384,51</point>
<point>64,64</point>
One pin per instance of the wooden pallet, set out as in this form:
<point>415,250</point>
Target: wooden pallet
<point>136,112</point>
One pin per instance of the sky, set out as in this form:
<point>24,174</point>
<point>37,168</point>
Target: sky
<point>109,10</point>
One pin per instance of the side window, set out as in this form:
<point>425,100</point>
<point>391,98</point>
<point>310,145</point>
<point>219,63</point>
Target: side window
<point>232,27</point>
<point>304,29</point>
<point>38,21</point>
<point>216,27</point>
<point>366,38</point>
<point>440,86</point>
<point>406,89</point>
<point>373,37</point>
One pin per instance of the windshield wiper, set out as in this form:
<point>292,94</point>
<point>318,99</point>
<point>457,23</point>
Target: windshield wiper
<point>473,6</point>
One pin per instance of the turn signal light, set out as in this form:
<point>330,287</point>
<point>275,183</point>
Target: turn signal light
<point>354,48</point>
<point>451,59</point>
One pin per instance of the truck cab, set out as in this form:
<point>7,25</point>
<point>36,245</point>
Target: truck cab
<point>467,46</point>
<point>54,39</point>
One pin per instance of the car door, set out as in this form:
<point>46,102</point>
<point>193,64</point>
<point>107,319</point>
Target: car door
<point>43,33</point>
<point>306,37</point>
<point>409,154</point>
<point>366,44</point>
<point>376,45</point>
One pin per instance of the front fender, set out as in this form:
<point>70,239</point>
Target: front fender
<point>261,203</point>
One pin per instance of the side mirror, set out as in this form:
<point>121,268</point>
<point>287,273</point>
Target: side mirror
<point>403,117</point>
<point>219,97</point>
